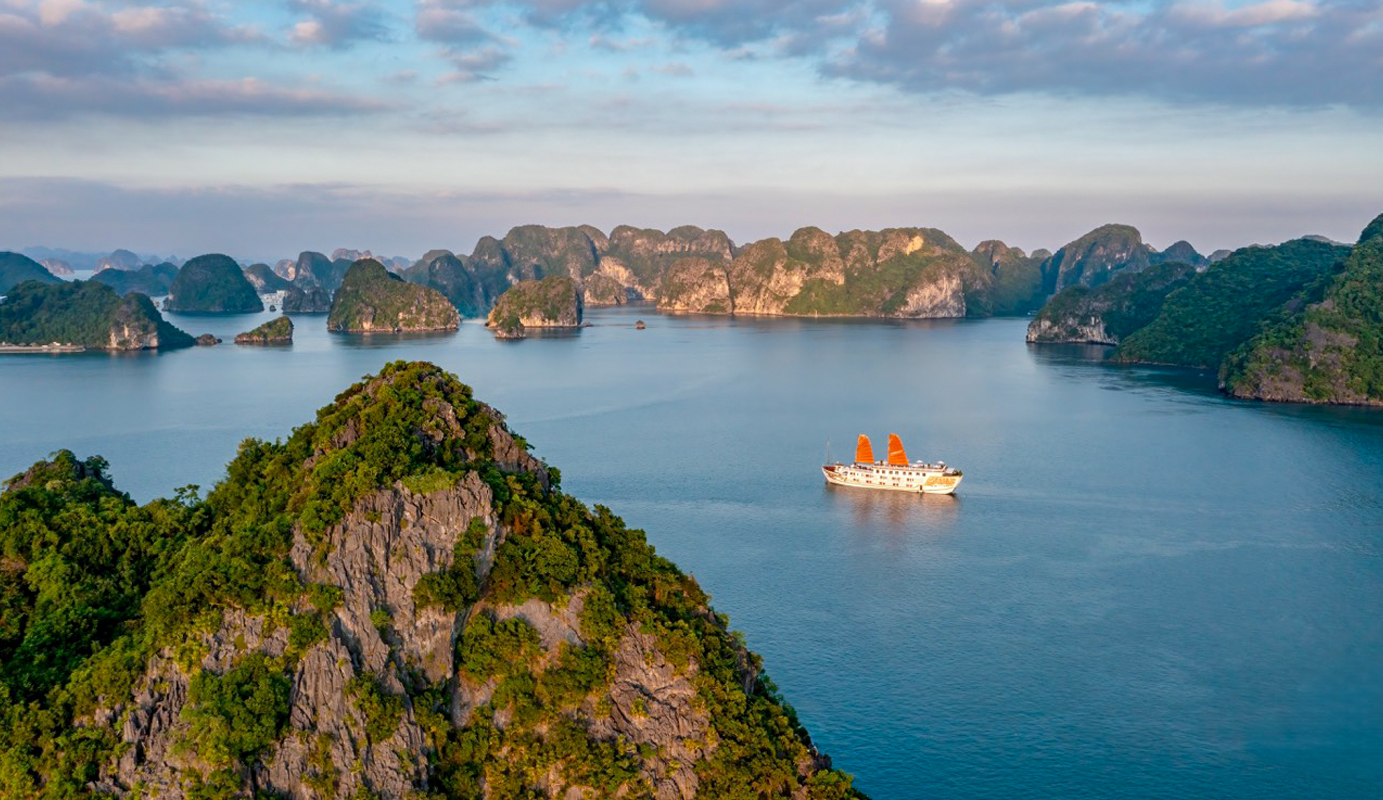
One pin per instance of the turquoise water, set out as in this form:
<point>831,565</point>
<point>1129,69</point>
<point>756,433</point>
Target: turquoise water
<point>1143,589</point>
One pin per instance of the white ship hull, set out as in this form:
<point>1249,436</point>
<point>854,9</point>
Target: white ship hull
<point>926,479</point>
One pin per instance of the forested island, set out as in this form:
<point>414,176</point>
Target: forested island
<point>396,601</point>
<point>1267,318</point>
<point>553,302</point>
<point>1300,321</point>
<point>373,300</point>
<point>84,315</point>
<point>16,269</point>
<point>212,284</point>
<point>276,331</point>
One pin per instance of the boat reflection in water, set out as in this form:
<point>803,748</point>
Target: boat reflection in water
<point>900,512</point>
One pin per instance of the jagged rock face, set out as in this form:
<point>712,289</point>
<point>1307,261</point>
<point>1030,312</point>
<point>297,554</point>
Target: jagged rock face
<point>56,266</point>
<point>424,643</point>
<point>1095,258</point>
<point>908,272</point>
<point>132,327</point>
<point>1111,311</point>
<point>696,285</point>
<point>638,257</point>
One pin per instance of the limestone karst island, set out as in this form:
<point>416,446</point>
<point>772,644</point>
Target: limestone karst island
<point>691,400</point>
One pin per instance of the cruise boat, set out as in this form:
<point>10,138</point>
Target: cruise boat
<point>896,473</point>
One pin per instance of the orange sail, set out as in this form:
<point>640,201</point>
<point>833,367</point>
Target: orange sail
<point>864,454</point>
<point>896,456</point>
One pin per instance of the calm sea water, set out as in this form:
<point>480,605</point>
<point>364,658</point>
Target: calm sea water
<point>1143,590</point>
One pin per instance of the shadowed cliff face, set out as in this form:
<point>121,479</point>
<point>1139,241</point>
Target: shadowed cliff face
<point>398,600</point>
<point>1095,258</point>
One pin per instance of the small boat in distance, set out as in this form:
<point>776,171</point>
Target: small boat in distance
<point>897,473</point>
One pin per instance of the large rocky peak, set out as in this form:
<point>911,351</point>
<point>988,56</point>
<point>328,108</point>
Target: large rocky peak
<point>1095,258</point>
<point>399,602</point>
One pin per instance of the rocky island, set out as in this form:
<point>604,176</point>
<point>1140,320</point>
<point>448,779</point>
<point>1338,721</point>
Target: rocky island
<point>212,284</point>
<point>398,601</point>
<point>84,315</point>
<point>264,279</point>
<point>372,299</point>
<point>275,331</point>
<point>1326,344</point>
<point>552,303</point>
<point>1299,322</point>
<point>470,289</point>
<point>155,280</point>
<point>1111,311</point>
<point>16,269</point>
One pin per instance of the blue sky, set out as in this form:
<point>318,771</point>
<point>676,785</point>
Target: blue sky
<point>265,128</point>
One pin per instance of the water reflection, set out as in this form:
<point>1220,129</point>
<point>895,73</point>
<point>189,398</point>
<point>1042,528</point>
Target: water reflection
<point>896,512</point>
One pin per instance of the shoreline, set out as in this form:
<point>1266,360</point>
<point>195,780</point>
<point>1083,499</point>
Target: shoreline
<point>42,348</point>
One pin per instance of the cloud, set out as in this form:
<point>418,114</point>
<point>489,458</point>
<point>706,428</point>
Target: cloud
<point>1286,53</point>
<point>1275,53</point>
<point>49,97</point>
<point>70,37</point>
<point>336,24</point>
<point>473,50</point>
<point>68,58</point>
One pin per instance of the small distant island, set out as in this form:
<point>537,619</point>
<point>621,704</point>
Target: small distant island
<point>553,302</point>
<point>154,280</point>
<point>275,331</point>
<point>212,284</point>
<point>64,317</point>
<point>372,299</point>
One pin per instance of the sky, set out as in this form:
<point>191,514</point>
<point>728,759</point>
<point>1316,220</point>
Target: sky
<point>263,128</point>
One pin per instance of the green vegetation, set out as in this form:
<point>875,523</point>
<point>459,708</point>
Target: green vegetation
<point>212,284</point>
<point>373,299</point>
<point>1221,308</point>
<point>1111,311</point>
<point>276,331</point>
<point>1326,345</point>
<point>381,710</point>
<point>1095,258</point>
<point>16,269</point>
<point>649,254</point>
<point>236,716</point>
<point>551,302</point>
<point>84,313</point>
<point>150,279</point>
<point>860,273</point>
<point>1017,278</point>
<point>93,586</point>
